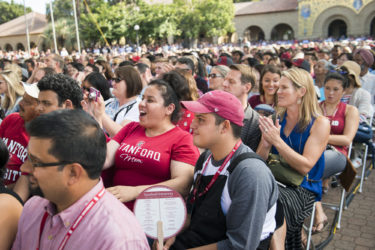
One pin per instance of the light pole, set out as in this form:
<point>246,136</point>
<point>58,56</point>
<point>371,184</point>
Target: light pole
<point>136,28</point>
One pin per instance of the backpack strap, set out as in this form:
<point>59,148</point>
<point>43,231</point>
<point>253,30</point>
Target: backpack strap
<point>241,157</point>
<point>200,161</point>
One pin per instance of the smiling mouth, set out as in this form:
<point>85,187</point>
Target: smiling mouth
<point>142,113</point>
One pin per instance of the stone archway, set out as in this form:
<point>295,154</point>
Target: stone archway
<point>372,28</point>
<point>254,34</point>
<point>20,46</point>
<point>282,31</point>
<point>8,47</point>
<point>337,29</point>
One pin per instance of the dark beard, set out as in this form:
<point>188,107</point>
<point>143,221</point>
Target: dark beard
<point>36,191</point>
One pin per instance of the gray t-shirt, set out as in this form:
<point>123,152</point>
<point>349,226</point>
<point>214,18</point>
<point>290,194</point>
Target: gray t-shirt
<point>251,205</point>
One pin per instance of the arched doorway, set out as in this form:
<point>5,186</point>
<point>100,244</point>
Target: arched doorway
<point>8,47</point>
<point>32,45</point>
<point>337,29</point>
<point>20,47</point>
<point>254,34</point>
<point>372,28</point>
<point>282,32</point>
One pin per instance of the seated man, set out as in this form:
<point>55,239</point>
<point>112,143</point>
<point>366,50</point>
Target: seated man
<point>66,153</point>
<point>54,91</point>
<point>233,202</point>
<point>13,133</point>
<point>239,82</point>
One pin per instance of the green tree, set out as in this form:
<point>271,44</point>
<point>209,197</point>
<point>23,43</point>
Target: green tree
<point>208,18</point>
<point>9,11</point>
<point>64,35</point>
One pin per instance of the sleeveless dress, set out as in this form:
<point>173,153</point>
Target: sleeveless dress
<point>298,201</point>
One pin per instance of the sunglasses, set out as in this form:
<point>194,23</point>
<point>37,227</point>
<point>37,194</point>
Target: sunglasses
<point>342,72</point>
<point>117,79</point>
<point>85,89</point>
<point>214,76</point>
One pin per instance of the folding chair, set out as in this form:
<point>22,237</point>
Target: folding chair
<point>368,145</point>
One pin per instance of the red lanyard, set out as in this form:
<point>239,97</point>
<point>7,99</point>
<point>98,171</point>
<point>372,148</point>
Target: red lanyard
<point>214,178</point>
<point>79,219</point>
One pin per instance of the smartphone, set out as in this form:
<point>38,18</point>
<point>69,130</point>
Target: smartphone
<point>94,94</point>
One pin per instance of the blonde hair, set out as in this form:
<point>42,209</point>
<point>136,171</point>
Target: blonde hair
<point>309,107</point>
<point>12,76</point>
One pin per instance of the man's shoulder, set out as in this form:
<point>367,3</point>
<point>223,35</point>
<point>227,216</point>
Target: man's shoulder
<point>118,217</point>
<point>12,119</point>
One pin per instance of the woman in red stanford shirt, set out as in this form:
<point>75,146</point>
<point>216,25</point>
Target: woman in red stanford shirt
<point>153,151</point>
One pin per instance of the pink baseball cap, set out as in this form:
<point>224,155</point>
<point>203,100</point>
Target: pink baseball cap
<point>220,102</point>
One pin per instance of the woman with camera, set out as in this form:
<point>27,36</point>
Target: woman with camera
<point>122,109</point>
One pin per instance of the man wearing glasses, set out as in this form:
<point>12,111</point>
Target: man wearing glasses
<point>66,152</point>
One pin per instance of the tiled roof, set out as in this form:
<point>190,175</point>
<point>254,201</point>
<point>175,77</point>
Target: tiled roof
<point>265,6</point>
<point>36,22</point>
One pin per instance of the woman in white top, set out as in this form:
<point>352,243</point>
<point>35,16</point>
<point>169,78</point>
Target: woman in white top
<point>116,112</point>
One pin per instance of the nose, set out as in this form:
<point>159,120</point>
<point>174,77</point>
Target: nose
<point>27,167</point>
<point>225,83</point>
<point>194,123</point>
<point>39,108</point>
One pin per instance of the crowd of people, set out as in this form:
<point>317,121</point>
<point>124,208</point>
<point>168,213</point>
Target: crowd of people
<point>84,135</point>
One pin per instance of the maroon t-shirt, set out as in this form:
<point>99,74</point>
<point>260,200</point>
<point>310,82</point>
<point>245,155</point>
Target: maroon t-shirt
<point>337,121</point>
<point>13,133</point>
<point>255,101</point>
<point>142,160</point>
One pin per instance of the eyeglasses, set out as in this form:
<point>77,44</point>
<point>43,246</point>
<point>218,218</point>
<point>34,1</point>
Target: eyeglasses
<point>214,76</point>
<point>51,164</point>
<point>85,89</point>
<point>117,79</point>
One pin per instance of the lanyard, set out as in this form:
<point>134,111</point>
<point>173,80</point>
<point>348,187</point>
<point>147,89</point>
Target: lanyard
<point>214,178</point>
<point>79,219</point>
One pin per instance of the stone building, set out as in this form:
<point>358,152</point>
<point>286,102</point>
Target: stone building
<point>13,33</point>
<point>304,19</point>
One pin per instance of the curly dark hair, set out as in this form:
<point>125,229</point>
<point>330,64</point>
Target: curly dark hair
<point>64,86</point>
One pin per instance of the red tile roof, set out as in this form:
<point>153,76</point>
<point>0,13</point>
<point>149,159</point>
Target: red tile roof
<point>265,6</point>
<point>36,23</point>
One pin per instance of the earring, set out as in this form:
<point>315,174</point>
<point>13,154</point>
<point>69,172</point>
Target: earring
<point>299,101</point>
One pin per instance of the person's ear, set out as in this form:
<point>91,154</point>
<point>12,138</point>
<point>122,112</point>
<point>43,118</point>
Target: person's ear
<point>74,172</point>
<point>170,108</point>
<point>69,104</point>
<point>225,126</point>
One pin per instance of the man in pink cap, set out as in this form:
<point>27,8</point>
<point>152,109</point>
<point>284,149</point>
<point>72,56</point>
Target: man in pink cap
<point>233,200</point>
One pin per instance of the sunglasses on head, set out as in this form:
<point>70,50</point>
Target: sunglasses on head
<point>343,72</point>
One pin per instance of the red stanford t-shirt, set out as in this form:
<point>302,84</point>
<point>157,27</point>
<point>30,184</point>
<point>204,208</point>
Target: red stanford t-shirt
<point>142,160</point>
<point>13,133</point>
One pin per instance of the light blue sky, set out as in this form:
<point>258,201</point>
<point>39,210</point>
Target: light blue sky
<point>36,5</point>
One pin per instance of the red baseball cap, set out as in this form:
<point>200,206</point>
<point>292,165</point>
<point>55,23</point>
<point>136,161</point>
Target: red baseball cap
<point>220,102</point>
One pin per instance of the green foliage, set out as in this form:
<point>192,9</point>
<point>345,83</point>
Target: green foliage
<point>9,11</point>
<point>117,18</point>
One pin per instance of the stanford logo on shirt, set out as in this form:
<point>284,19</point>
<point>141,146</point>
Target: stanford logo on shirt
<point>131,153</point>
<point>334,123</point>
<point>140,143</point>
